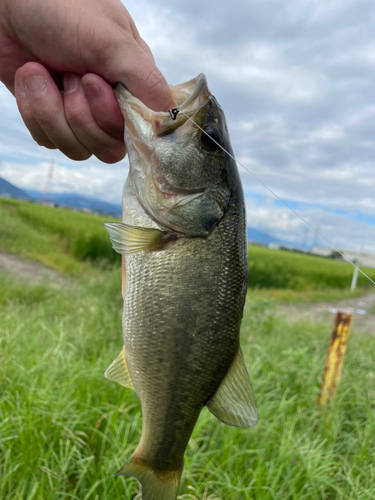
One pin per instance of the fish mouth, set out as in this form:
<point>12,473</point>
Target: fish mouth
<point>186,93</point>
<point>189,98</point>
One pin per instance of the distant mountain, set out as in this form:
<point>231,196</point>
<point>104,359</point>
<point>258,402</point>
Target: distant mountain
<point>78,201</point>
<point>265,238</point>
<point>8,190</point>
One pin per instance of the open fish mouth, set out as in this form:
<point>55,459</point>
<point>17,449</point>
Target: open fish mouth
<point>189,98</point>
<point>186,93</point>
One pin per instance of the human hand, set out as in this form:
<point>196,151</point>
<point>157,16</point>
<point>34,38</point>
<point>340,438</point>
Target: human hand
<point>57,57</point>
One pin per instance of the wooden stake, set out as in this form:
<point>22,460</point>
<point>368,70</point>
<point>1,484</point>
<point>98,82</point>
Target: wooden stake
<point>335,357</point>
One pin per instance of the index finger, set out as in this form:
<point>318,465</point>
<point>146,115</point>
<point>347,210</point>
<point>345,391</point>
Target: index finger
<point>131,66</point>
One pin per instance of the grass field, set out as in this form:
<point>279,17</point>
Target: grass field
<point>65,429</point>
<point>296,271</point>
<point>62,239</point>
<point>69,241</point>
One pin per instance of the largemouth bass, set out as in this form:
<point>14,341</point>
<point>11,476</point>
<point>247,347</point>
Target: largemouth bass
<point>183,238</point>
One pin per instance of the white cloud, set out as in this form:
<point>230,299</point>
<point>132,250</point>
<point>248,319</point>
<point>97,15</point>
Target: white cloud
<point>328,133</point>
<point>90,180</point>
<point>296,82</point>
<point>341,230</point>
<point>318,11</point>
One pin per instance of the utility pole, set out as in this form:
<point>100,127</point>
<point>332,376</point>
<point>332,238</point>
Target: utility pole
<point>304,240</point>
<point>355,276</point>
<point>316,236</point>
<point>265,236</point>
<point>46,196</point>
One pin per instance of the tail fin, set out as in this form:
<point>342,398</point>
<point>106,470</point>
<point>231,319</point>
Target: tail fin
<point>155,485</point>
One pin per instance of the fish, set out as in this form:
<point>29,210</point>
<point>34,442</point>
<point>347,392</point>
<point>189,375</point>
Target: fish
<point>184,247</point>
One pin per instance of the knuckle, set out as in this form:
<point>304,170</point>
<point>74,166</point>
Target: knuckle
<point>155,79</point>
<point>42,141</point>
<point>77,154</point>
<point>74,117</point>
<point>81,156</point>
<point>39,141</point>
<point>112,155</point>
<point>49,146</point>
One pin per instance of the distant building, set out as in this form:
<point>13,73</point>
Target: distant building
<point>322,251</point>
<point>283,246</point>
<point>361,258</point>
<point>274,245</point>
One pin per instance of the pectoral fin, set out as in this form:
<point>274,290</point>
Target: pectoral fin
<point>234,402</point>
<point>118,371</point>
<point>131,239</point>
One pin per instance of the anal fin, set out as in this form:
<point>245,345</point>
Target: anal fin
<point>234,401</point>
<point>118,371</point>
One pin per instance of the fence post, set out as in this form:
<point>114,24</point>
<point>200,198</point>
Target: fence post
<point>335,357</point>
<point>355,274</point>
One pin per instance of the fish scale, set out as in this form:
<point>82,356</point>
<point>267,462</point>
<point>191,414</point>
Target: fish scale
<point>184,343</point>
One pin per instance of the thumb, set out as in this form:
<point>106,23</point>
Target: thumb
<point>136,70</point>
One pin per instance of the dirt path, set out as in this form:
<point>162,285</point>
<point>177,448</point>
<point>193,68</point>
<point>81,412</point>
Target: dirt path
<point>363,318</point>
<point>33,272</point>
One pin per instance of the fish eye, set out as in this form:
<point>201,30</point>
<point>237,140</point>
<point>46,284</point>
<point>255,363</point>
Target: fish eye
<point>210,133</point>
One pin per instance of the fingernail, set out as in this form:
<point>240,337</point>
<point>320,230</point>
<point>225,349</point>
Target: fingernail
<point>71,83</point>
<point>92,91</point>
<point>34,83</point>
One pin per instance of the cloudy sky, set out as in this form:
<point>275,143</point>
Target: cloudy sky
<point>296,80</point>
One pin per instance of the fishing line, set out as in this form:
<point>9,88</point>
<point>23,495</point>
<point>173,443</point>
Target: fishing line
<point>173,112</point>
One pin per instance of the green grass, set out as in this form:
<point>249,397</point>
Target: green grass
<point>286,295</point>
<point>61,239</point>
<point>65,429</point>
<point>296,271</point>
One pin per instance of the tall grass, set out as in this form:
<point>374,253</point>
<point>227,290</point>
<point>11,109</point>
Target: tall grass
<point>64,236</point>
<point>65,429</point>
